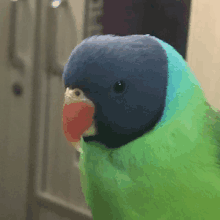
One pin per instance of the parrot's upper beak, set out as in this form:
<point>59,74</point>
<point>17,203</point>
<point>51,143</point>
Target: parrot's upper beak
<point>78,112</point>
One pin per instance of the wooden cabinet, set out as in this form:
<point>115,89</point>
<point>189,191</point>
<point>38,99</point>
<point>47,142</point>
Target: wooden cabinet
<point>203,52</point>
<point>38,169</point>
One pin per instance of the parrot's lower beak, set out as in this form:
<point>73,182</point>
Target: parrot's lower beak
<point>78,112</point>
<point>76,145</point>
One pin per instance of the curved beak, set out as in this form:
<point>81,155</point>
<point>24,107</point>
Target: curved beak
<point>78,112</point>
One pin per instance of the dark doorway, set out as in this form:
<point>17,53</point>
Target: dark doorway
<point>165,19</point>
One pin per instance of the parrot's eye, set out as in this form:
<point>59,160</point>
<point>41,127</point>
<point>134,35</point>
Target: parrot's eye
<point>119,86</point>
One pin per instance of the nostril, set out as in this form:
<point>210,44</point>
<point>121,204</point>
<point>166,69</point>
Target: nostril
<point>77,93</point>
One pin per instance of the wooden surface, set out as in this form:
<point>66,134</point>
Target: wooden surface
<point>203,52</point>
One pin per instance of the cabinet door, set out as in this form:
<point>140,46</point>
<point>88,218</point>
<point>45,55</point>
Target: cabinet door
<point>58,193</point>
<point>17,43</point>
<point>204,47</point>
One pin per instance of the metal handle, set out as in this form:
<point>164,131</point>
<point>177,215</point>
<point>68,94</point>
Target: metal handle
<point>53,66</point>
<point>14,58</point>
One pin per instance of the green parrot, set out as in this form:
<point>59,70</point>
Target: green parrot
<point>149,140</point>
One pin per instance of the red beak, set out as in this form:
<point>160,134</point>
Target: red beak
<point>77,118</point>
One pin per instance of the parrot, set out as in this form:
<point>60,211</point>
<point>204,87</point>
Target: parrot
<point>148,138</point>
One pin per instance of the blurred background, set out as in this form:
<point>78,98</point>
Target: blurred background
<point>39,176</point>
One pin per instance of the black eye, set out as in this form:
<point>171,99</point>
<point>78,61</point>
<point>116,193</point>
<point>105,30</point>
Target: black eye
<point>119,86</point>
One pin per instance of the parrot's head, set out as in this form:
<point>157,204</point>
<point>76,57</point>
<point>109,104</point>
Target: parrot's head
<point>120,88</point>
<point>116,89</point>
